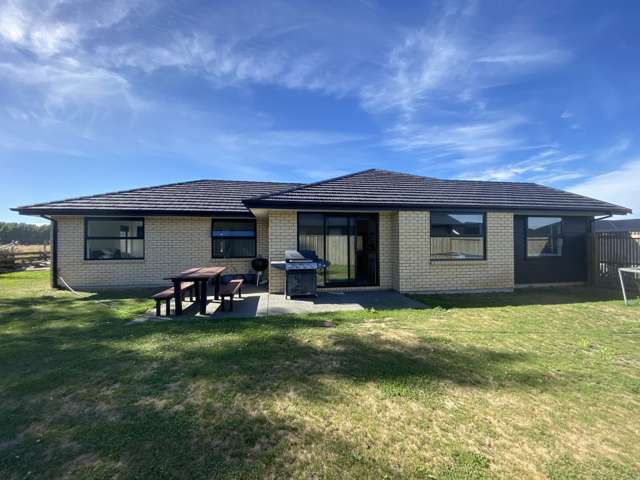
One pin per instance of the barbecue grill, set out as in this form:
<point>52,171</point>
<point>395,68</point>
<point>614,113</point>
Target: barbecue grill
<point>259,264</point>
<point>300,269</point>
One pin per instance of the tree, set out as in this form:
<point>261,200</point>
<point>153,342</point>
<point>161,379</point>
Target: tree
<point>24,233</point>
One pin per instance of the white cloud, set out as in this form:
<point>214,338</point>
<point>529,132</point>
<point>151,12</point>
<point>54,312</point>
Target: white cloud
<point>558,178</point>
<point>421,64</point>
<point>613,152</point>
<point>551,56</point>
<point>445,58</point>
<point>35,31</point>
<point>547,166</point>
<point>13,22</point>
<point>473,139</point>
<point>620,186</point>
<point>435,83</point>
<point>68,82</point>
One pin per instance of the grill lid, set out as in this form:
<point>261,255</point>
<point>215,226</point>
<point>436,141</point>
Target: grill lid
<point>294,256</point>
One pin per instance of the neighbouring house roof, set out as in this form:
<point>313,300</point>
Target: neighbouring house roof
<point>372,189</point>
<point>384,189</point>
<point>631,225</point>
<point>203,197</point>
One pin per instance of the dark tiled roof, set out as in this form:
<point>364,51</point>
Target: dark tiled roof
<point>367,189</point>
<point>381,188</point>
<point>631,225</point>
<point>199,197</point>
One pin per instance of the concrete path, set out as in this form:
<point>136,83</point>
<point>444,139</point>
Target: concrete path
<point>259,303</point>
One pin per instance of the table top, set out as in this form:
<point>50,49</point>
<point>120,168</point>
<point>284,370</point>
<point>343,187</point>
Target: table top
<point>630,269</point>
<point>197,273</point>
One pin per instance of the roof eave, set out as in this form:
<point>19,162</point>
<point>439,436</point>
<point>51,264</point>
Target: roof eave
<point>281,205</point>
<point>130,212</point>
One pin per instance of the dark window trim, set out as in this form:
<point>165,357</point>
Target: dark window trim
<point>244,220</point>
<point>483,235</point>
<point>526,238</point>
<point>375,215</point>
<point>87,237</point>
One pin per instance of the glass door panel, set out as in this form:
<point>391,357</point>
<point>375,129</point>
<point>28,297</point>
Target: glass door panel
<point>337,249</point>
<point>349,242</point>
<point>311,237</point>
<point>365,251</point>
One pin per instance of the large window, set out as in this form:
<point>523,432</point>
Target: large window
<point>113,238</point>
<point>457,236</point>
<point>233,238</point>
<point>544,237</point>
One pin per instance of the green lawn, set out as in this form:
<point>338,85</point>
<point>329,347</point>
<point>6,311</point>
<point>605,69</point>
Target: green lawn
<point>536,384</point>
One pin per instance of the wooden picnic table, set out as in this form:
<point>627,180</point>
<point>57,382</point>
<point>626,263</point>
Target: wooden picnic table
<point>200,276</point>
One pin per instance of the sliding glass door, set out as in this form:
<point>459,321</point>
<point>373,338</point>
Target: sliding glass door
<point>349,242</point>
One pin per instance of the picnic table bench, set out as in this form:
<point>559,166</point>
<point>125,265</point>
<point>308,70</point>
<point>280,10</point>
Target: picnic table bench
<point>200,276</point>
<point>168,293</point>
<point>229,290</point>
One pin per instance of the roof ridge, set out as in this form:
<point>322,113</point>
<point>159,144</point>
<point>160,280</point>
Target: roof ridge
<point>305,185</point>
<point>137,189</point>
<point>394,172</point>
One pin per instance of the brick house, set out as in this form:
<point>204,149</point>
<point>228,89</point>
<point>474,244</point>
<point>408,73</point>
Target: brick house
<point>378,229</point>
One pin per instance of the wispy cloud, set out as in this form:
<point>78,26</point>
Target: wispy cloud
<point>474,139</point>
<point>619,186</point>
<point>38,33</point>
<point>613,151</point>
<point>552,56</point>
<point>435,81</point>
<point>48,28</point>
<point>441,59</point>
<point>548,166</point>
<point>167,79</point>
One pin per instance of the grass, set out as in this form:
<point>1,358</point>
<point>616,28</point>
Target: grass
<point>540,384</point>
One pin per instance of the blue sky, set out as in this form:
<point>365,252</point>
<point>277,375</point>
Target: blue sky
<point>102,96</point>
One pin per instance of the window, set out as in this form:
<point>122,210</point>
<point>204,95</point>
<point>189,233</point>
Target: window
<point>544,237</point>
<point>457,236</point>
<point>233,238</point>
<point>113,238</point>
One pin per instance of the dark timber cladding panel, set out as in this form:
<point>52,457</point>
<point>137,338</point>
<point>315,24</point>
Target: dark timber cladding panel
<point>570,267</point>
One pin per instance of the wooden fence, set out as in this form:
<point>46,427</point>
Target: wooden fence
<point>11,261</point>
<point>610,251</point>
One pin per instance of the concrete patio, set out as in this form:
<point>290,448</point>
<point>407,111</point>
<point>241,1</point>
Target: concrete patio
<point>257,302</point>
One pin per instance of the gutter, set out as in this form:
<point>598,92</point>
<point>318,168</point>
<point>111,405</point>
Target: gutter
<point>520,210</point>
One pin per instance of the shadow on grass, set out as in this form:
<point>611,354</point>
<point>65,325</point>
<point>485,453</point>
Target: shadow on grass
<point>86,395</point>
<point>521,297</point>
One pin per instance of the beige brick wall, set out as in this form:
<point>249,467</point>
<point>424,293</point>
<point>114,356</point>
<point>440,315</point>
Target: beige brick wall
<point>283,235</point>
<point>172,244</point>
<point>417,273</point>
<point>175,243</point>
<point>387,248</point>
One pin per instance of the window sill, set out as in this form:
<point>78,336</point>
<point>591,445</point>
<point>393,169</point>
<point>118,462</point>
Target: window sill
<point>112,260</point>
<point>461,261</point>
